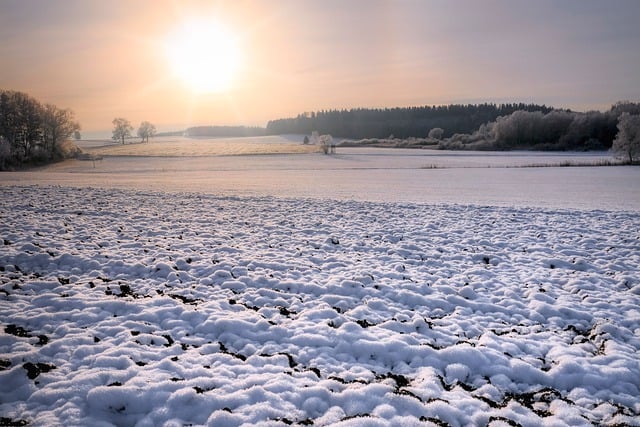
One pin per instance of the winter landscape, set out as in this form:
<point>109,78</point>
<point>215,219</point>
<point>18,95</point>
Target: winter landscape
<point>144,301</point>
<point>319,213</point>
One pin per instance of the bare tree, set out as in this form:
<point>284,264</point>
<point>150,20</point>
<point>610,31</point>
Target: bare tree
<point>627,142</point>
<point>20,119</point>
<point>58,125</point>
<point>5,152</point>
<point>121,129</point>
<point>31,112</point>
<point>146,130</point>
<point>30,131</point>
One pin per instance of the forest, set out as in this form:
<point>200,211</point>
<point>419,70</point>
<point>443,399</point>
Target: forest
<point>472,127</point>
<point>401,122</point>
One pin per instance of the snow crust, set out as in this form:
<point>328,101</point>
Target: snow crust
<point>123,307</point>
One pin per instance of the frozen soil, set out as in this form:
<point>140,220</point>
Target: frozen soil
<point>130,307</point>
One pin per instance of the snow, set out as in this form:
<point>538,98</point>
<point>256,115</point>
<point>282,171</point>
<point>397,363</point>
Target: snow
<point>364,174</point>
<point>133,305</point>
<point>370,287</point>
<point>178,146</point>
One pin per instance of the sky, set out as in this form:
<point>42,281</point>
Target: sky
<point>133,58</point>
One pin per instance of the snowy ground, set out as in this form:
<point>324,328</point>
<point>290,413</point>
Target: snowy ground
<point>365,174</point>
<point>178,146</point>
<point>372,287</point>
<point>134,307</point>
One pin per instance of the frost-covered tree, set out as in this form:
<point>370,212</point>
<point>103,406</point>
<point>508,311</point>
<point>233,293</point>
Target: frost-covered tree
<point>315,137</point>
<point>625,107</point>
<point>627,142</point>
<point>121,129</point>
<point>436,133</point>
<point>146,130</point>
<point>326,143</point>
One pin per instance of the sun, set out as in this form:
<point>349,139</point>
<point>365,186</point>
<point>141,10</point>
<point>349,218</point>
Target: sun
<point>204,55</point>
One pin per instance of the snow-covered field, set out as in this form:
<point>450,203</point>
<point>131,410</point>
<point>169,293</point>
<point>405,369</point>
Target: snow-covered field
<point>146,293</point>
<point>177,146</point>
<point>365,174</point>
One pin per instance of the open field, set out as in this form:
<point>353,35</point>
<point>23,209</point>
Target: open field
<point>190,147</point>
<point>144,308</point>
<point>367,174</point>
<point>362,288</point>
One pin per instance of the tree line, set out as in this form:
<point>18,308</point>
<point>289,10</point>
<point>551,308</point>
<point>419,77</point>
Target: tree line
<point>555,130</point>
<point>470,127</point>
<point>458,127</point>
<point>32,132</point>
<point>400,122</point>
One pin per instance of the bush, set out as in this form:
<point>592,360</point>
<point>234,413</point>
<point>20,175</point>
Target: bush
<point>67,149</point>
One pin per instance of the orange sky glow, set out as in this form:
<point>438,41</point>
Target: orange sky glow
<point>106,59</point>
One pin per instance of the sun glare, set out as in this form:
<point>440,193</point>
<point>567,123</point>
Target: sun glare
<point>204,55</point>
